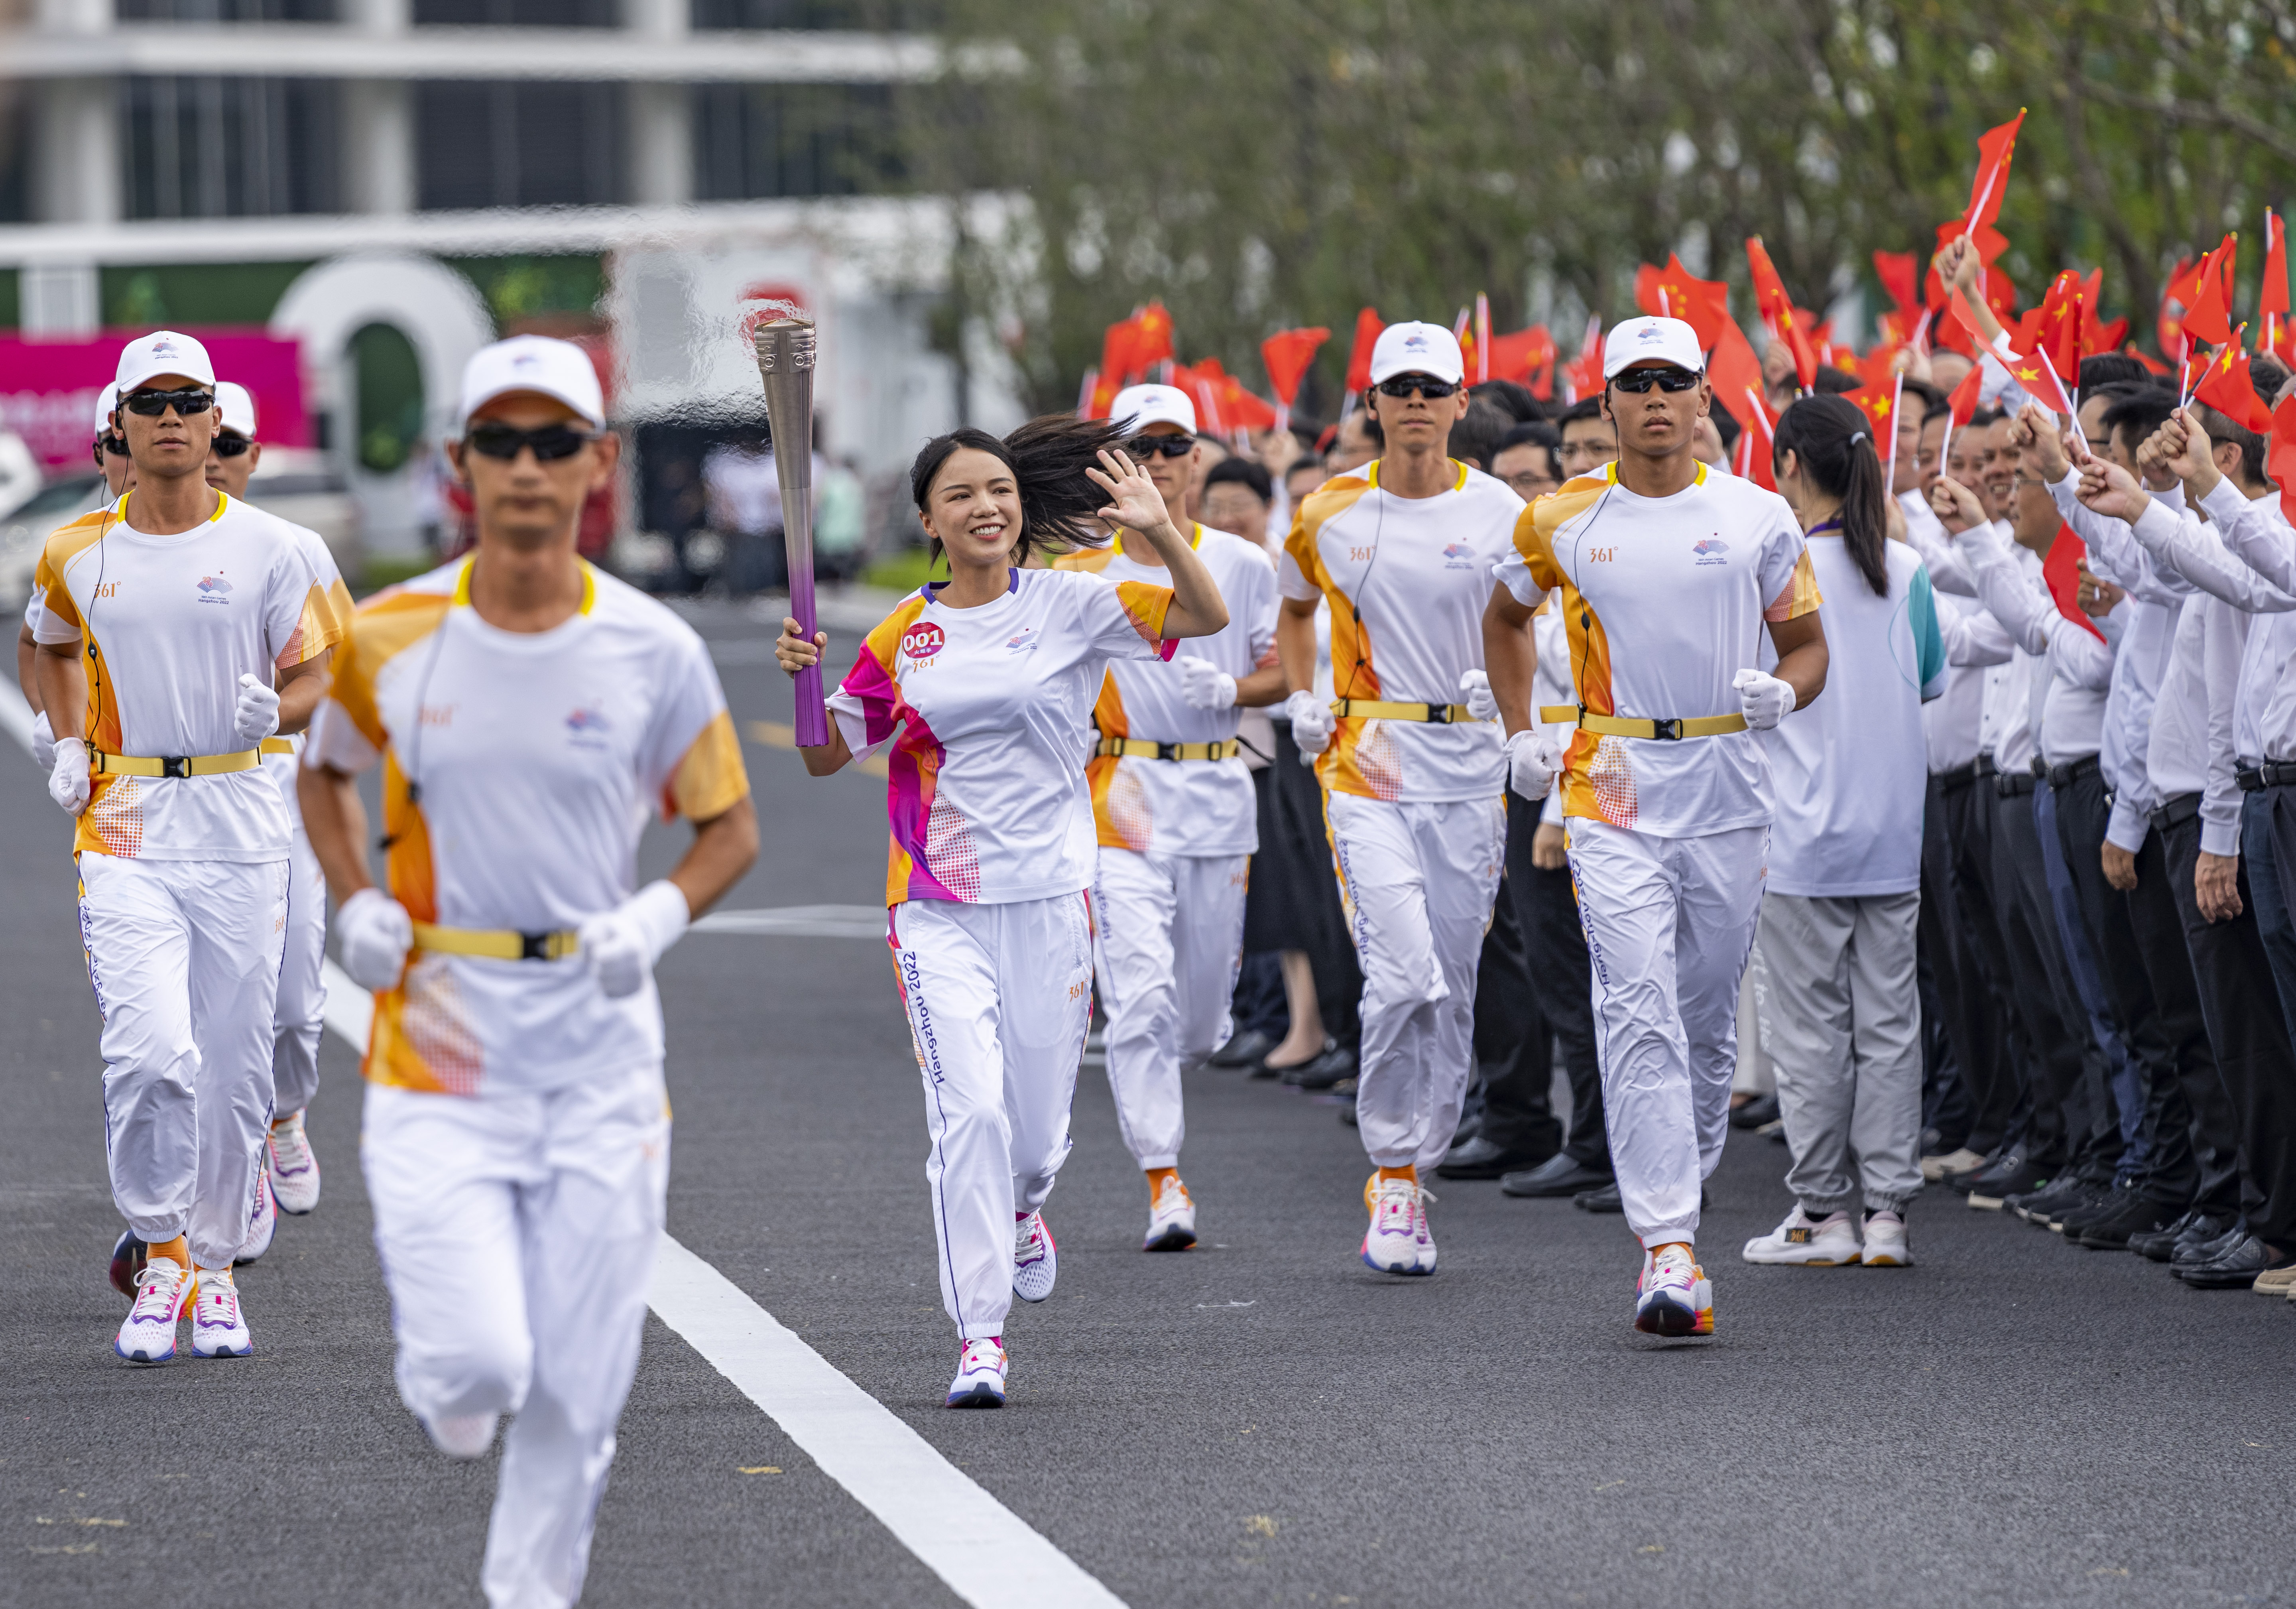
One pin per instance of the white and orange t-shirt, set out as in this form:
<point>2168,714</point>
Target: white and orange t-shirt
<point>1664,600</point>
<point>1190,807</point>
<point>518,770</point>
<point>175,621</point>
<point>988,715</point>
<point>1407,579</point>
<point>283,764</point>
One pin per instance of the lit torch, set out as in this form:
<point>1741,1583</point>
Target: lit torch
<point>785,352</point>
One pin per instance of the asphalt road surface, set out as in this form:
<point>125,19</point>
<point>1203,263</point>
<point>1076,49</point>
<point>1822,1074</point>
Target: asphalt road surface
<point>1262,1421</point>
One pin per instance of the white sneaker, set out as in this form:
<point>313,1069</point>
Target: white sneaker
<point>461,1436</point>
<point>1171,1217</point>
<point>1674,1297</point>
<point>1035,1260</point>
<point>163,1289</point>
<point>262,1225</point>
<point>293,1166</point>
<point>1815,1243</point>
<point>1934,1168</point>
<point>1885,1241</point>
<point>1398,1241</point>
<point>219,1328</point>
<point>980,1380</point>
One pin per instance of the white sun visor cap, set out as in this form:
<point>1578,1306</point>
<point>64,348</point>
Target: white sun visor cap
<point>1138,406</point>
<point>1669,340</point>
<point>162,352</point>
<point>1417,348</point>
<point>532,362</point>
<point>235,407</point>
<point>106,400</point>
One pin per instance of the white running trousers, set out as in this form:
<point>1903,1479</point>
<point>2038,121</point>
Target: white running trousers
<point>1168,938</point>
<point>517,1231</point>
<point>998,999</point>
<point>1668,922</point>
<point>1418,881</point>
<point>300,1018</point>
<point>184,957</point>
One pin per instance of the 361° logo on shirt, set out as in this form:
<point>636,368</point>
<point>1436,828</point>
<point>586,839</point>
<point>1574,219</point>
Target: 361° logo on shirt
<point>922,641</point>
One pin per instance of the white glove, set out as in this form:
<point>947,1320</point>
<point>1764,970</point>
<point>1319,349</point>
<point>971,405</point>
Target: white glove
<point>621,947</point>
<point>1312,722</point>
<point>1533,762</point>
<point>257,715</point>
<point>43,742</point>
<point>1205,685</point>
<point>374,932</point>
<point>68,774</point>
<point>1482,704</point>
<point>1766,700</point>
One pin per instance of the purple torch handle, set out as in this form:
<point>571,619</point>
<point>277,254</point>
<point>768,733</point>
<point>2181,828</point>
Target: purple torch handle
<point>785,360</point>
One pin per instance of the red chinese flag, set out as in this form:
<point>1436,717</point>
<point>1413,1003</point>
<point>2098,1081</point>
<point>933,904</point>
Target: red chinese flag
<point>2169,329</point>
<point>1757,442</point>
<point>1153,337</point>
<point>1118,347</point>
<point>2280,460</point>
<point>1367,329</point>
<point>2037,379</point>
<point>1674,291</point>
<point>2227,388</point>
<point>2209,315</point>
<point>2272,296</point>
<point>1876,402</point>
<point>1521,355</point>
<point>1733,370</point>
<point>1287,354</point>
<point>2062,571</point>
<point>2091,324</point>
<point>1777,310</point>
<point>1900,273</point>
<point>1240,409</point>
<point>1963,400</point>
<point>1995,148</point>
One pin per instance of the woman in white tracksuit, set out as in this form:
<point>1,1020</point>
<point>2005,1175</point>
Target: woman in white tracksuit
<point>982,688</point>
<point>1844,1026</point>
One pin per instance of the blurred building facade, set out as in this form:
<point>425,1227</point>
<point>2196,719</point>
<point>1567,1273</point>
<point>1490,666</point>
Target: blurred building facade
<point>392,182</point>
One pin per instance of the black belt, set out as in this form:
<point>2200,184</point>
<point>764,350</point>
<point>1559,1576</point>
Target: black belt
<point>2271,774</point>
<point>2038,766</point>
<point>1963,776</point>
<point>2014,785</point>
<point>2072,771</point>
<point>2176,812</point>
<point>1983,766</point>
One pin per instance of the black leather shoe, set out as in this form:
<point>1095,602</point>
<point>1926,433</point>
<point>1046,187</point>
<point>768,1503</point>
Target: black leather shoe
<point>1244,1049</point>
<point>2112,1229</point>
<point>1326,1069</point>
<point>2192,1253</point>
<point>2087,1201</point>
<point>2161,1243</point>
<point>2039,1206</point>
<point>1603,1198</point>
<point>2235,1269</point>
<point>1479,1158</point>
<point>1761,1110</point>
<point>2204,1228</point>
<point>1291,1074</point>
<point>1560,1174</point>
<point>2013,1174</point>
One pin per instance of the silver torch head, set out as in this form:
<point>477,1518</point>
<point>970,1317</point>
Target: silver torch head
<point>785,360</point>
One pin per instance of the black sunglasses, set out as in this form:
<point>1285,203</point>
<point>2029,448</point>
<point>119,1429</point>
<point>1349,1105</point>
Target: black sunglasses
<point>1171,447</point>
<point>112,442</point>
<point>1639,381</point>
<point>550,441</point>
<point>1426,385</point>
<point>192,399</point>
<point>229,444</point>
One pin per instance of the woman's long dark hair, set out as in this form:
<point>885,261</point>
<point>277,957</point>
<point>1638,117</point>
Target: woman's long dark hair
<point>1048,457</point>
<point>1834,440</point>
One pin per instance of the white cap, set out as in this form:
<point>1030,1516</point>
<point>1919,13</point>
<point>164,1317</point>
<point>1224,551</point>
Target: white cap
<point>1670,340</point>
<point>106,400</point>
<point>234,408</point>
<point>162,352</point>
<point>1417,348</point>
<point>532,362</point>
<point>1138,406</point>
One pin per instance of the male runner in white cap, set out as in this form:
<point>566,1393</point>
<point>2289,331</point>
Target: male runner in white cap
<point>1668,573</point>
<point>1404,552</point>
<point>182,627</point>
<point>111,461</point>
<point>526,710</point>
<point>1176,815</point>
<point>293,1169</point>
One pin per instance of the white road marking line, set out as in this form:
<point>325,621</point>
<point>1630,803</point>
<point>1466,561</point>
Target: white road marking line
<point>810,921</point>
<point>989,1556</point>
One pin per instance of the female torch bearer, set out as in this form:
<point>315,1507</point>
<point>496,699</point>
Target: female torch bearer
<point>786,363</point>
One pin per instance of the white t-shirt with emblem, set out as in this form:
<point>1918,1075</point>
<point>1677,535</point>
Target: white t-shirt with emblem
<point>987,713</point>
<point>519,769</point>
<point>1181,807</point>
<point>1407,579</point>
<point>1663,601</point>
<point>175,621</point>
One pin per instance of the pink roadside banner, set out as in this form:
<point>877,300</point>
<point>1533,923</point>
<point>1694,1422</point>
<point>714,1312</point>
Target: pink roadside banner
<point>47,388</point>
